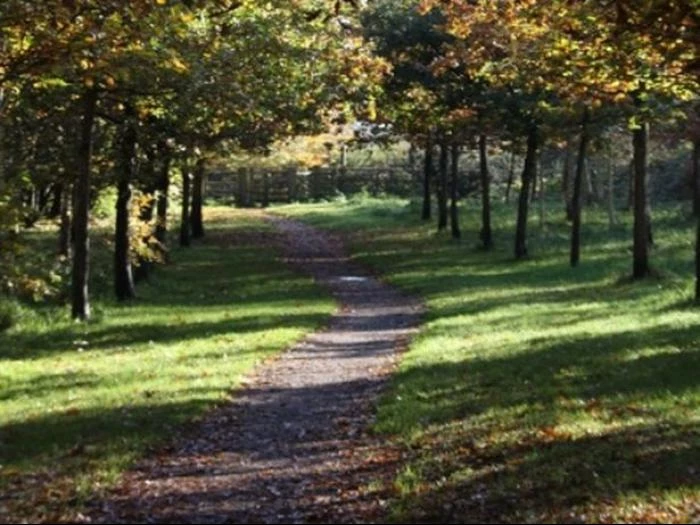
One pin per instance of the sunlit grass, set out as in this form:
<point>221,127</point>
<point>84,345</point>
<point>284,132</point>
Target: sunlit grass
<point>78,403</point>
<point>537,392</point>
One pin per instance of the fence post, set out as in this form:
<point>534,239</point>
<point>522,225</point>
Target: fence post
<point>243,197</point>
<point>266,189</point>
<point>291,179</point>
<point>315,183</point>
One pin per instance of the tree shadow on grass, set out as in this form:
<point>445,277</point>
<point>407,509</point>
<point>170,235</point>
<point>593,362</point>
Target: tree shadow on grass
<point>24,346</point>
<point>472,471</point>
<point>558,479</point>
<point>604,367</point>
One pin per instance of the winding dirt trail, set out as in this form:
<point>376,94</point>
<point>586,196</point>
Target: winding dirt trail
<point>293,446</point>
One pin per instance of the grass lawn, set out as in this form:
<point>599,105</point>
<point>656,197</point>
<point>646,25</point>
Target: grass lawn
<point>537,392</point>
<point>80,402</point>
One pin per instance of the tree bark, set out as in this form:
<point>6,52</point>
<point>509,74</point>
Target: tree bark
<point>566,183</point>
<point>442,187</point>
<point>185,226</point>
<point>427,176</point>
<point>485,233</point>
<point>612,218</point>
<point>528,175</point>
<point>576,199</point>
<point>123,277</point>
<point>640,266</point>
<point>695,175</point>
<point>64,231</point>
<point>197,201</point>
<point>696,202</point>
<point>56,200</point>
<point>511,176</point>
<point>80,300</point>
<point>454,193</point>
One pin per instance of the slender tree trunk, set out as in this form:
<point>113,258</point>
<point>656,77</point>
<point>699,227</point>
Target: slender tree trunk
<point>528,175</point>
<point>630,186</point>
<point>80,304</point>
<point>576,200</point>
<point>640,266</point>
<point>697,260</point>
<point>511,176</point>
<point>566,183</point>
<point>442,187</point>
<point>454,192</point>
<point>695,175</point>
<point>612,218</point>
<point>696,202</point>
<point>197,201</point>
<point>163,187</point>
<point>533,187</point>
<point>64,231</point>
<point>427,176</point>
<point>185,226</point>
<point>485,233</point>
<point>56,200</point>
<point>123,276</point>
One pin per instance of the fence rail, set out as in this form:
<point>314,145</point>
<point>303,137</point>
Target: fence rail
<point>251,187</point>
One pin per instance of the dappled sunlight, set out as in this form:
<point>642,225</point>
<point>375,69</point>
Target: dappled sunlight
<point>538,392</point>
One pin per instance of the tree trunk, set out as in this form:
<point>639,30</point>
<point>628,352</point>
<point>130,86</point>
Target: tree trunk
<point>528,175</point>
<point>123,276</point>
<point>454,193</point>
<point>697,261</point>
<point>56,200</point>
<point>630,186</point>
<point>485,233</point>
<point>427,176</point>
<point>612,218</point>
<point>185,226</point>
<point>511,175</point>
<point>197,201</point>
<point>566,183</point>
<point>576,200</point>
<point>163,187</point>
<point>640,266</point>
<point>696,203</point>
<point>442,187</point>
<point>64,231</point>
<point>80,304</point>
<point>695,175</point>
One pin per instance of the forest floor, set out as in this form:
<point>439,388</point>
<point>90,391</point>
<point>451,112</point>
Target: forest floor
<point>294,444</point>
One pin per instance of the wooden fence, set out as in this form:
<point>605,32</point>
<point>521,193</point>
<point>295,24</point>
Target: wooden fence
<point>252,187</point>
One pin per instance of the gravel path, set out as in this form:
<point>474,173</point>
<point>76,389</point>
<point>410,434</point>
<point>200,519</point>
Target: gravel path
<point>293,445</point>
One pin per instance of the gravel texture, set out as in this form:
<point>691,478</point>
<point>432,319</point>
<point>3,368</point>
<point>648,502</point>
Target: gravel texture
<point>294,444</point>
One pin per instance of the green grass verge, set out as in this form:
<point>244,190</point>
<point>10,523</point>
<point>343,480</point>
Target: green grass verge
<point>537,392</point>
<point>80,402</point>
